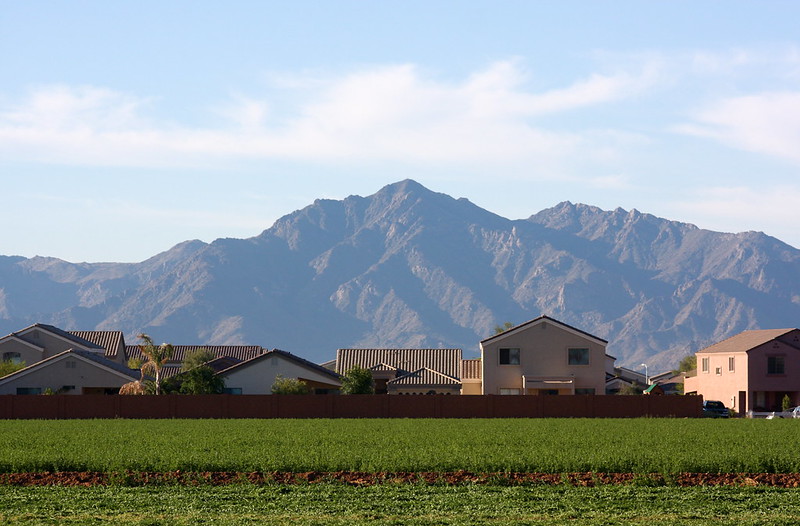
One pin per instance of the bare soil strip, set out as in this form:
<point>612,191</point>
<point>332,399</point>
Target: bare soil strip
<point>589,479</point>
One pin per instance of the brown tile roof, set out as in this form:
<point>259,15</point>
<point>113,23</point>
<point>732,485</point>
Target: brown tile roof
<point>239,352</point>
<point>444,361</point>
<point>471,369</point>
<point>744,341</point>
<point>108,340</point>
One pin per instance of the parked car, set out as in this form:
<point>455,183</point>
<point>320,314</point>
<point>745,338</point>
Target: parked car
<point>715,409</point>
<point>795,411</point>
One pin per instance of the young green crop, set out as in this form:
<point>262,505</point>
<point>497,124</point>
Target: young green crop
<point>531,445</point>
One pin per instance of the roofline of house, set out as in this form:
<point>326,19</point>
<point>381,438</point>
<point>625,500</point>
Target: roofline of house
<point>540,319</point>
<point>77,353</point>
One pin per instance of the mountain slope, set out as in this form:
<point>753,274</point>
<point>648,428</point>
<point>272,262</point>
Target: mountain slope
<point>408,267</point>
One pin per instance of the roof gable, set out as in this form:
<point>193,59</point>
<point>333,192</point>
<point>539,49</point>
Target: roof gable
<point>446,361</point>
<point>89,357</point>
<point>283,355</point>
<point>424,378</point>
<point>539,321</point>
<point>56,333</point>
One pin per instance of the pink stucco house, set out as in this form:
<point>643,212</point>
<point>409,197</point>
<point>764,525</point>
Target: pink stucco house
<point>751,371</point>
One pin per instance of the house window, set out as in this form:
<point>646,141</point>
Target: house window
<point>775,365</point>
<point>584,390</point>
<point>731,364</point>
<point>704,365</point>
<point>13,357</point>
<point>29,390</point>
<point>509,356</point>
<point>718,371</point>
<point>232,390</point>
<point>578,356</point>
<point>509,391</point>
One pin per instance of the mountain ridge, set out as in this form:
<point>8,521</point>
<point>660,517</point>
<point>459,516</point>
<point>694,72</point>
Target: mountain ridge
<point>409,267</point>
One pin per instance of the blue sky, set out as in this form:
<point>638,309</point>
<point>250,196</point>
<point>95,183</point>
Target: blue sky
<point>126,128</point>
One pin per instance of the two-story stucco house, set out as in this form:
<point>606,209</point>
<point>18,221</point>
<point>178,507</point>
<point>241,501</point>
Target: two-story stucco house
<point>751,371</point>
<point>544,356</point>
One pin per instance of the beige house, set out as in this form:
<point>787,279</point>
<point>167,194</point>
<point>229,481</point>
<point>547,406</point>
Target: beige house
<point>751,371</point>
<point>256,375</point>
<point>406,371</point>
<point>40,341</point>
<point>71,372</point>
<point>544,356</point>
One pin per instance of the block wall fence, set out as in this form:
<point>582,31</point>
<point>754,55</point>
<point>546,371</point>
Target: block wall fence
<point>346,406</point>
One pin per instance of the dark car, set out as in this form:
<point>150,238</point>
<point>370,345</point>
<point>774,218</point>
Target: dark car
<point>715,409</point>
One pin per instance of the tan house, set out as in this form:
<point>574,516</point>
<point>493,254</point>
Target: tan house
<point>256,375</point>
<point>544,356</point>
<point>406,371</point>
<point>71,372</point>
<point>40,341</point>
<point>751,371</point>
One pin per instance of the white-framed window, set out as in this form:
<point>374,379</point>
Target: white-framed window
<point>731,363</point>
<point>510,391</point>
<point>704,365</point>
<point>509,356</point>
<point>718,371</point>
<point>578,356</point>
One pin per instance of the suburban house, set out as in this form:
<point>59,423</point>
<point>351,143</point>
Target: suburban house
<point>544,356</point>
<point>73,371</point>
<point>224,356</point>
<point>406,371</point>
<point>751,371</point>
<point>256,375</point>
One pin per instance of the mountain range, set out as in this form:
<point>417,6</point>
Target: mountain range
<point>409,267</point>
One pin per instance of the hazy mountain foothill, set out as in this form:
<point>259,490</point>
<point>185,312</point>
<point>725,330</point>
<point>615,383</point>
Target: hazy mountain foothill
<point>408,267</point>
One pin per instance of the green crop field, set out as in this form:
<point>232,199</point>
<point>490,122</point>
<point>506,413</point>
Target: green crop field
<point>402,504</point>
<point>535,445</point>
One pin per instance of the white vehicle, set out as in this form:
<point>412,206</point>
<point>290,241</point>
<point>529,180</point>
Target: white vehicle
<point>795,412</point>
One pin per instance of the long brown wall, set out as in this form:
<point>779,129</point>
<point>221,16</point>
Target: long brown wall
<point>353,406</point>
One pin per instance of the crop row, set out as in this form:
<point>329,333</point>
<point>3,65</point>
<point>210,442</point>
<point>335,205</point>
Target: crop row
<point>497,445</point>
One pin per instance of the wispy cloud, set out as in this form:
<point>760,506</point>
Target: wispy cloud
<point>385,113</point>
<point>767,123</point>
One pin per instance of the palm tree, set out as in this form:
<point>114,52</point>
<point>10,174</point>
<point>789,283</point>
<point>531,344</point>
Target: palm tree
<point>157,356</point>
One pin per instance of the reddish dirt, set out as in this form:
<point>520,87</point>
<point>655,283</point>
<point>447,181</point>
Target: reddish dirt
<point>135,478</point>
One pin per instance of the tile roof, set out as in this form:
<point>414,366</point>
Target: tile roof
<point>744,341</point>
<point>445,361</point>
<point>424,378</point>
<point>59,332</point>
<point>239,352</point>
<point>108,340</point>
<point>471,369</point>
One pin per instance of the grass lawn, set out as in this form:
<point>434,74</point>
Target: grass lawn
<point>401,504</point>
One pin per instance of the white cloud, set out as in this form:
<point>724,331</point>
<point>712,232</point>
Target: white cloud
<point>389,114</point>
<point>766,123</point>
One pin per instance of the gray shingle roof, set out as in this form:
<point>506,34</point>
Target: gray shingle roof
<point>108,340</point>
<point>424,378</point>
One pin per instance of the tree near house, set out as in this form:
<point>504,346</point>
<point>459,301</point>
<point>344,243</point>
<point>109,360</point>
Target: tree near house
<point>289,386</point>
<point>196,377</point>
<point>358,380</point>
<point>498,329</point>
<point>10,366</point>
<point>156,357</point>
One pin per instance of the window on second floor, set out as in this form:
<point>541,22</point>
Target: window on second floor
<point>13,357</point>
<point>731,363</point>
<point>776,365</point>
<point>509,356</point>
<point>704,365</point>
<point>578,356</point>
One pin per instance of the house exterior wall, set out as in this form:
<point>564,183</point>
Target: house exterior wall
<point>543,353</point>
<point>27,353</point>
<point>72,371</point>
<point>717,381</point>
<point>52,344</point>
<point>258,377</point>
<point>471,387</point>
